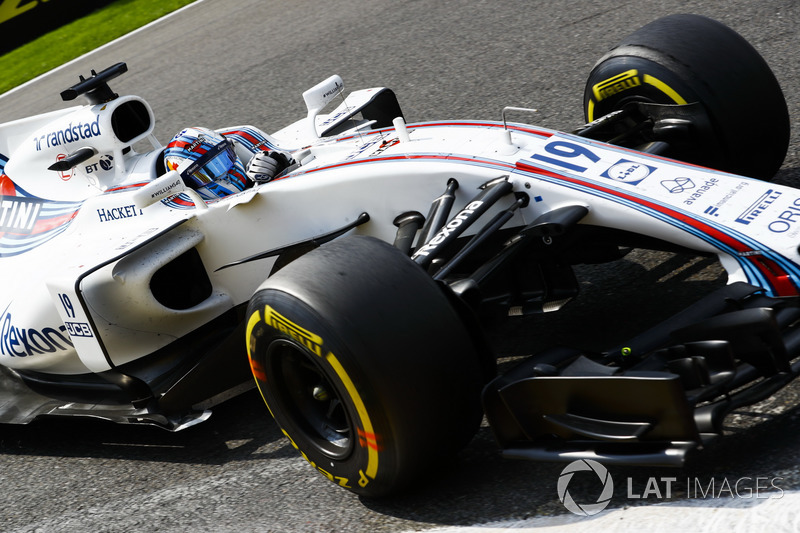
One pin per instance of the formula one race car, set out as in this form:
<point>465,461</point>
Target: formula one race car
<point>131,299</point>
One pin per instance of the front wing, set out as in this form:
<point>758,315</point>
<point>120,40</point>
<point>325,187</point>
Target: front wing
<point>655,398</point>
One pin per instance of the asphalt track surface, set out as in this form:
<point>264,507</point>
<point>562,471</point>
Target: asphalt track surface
<point>222,63</point>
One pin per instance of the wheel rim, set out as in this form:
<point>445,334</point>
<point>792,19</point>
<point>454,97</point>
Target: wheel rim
<point>309,399</point>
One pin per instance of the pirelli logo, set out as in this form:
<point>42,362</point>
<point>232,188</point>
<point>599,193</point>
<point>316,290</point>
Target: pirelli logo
<point>279,322</point>
<point>616,84</point>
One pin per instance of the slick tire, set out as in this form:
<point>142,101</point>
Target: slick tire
<point>365,365</point>
<point>682,59</point>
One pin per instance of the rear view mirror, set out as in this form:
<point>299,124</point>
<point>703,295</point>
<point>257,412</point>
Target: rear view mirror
<point>159,189</point>
<point>320,95</point>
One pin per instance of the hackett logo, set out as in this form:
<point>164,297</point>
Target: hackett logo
<point>118,213</point>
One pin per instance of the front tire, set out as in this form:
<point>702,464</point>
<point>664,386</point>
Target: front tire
<point>365,365</point>
<point>681,59</point>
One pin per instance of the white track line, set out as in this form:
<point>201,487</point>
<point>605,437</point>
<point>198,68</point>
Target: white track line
<point>778,513</point>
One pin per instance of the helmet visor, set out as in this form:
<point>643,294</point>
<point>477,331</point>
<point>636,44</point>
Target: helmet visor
<point>211,166</point>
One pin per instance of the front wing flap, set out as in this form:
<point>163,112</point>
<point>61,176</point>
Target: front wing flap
<point>654,399</point>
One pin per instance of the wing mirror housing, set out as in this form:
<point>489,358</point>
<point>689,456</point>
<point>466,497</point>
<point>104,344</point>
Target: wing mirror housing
<point>319,96</point>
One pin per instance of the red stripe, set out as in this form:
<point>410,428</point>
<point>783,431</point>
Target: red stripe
<point>368,440</point>
<point>47,224</point>
<point>131,186</point>
<point>779,278</point>
<point>7,187</point>
<point>182,144</point>
<point>411,127</point>
<point>244,134</point>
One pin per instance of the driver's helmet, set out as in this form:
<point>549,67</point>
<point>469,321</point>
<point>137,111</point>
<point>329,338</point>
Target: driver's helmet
<point>207,163</point>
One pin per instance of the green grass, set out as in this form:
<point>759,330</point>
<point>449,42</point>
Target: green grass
<point>79,37</point>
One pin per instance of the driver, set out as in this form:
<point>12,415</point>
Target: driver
<point>209,161</point>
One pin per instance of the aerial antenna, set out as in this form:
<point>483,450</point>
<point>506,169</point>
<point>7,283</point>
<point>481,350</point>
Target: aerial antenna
<point>96,87</point>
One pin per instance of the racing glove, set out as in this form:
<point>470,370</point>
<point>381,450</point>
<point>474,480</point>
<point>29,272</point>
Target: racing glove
<point>264,166</point>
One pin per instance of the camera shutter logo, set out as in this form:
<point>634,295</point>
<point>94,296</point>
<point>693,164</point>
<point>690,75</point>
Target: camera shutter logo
<point>585,509</point>
<point>678,185</point>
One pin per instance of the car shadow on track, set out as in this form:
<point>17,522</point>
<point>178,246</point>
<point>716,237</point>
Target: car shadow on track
<point>238,430</point>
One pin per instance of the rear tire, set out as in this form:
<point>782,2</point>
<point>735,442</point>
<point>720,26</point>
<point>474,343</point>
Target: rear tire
<point>365,365</point>
<point>682,59</point>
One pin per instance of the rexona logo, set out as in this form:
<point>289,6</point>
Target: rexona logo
<point>25,342</point>
<point>18,215</point>
<point>443,233</point>
<point>72,133</point>
<point>585,509</point>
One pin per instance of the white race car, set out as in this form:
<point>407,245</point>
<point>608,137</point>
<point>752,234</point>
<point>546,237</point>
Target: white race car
<point>352,287</point>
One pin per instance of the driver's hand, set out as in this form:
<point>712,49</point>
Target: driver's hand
<point>264,166</point>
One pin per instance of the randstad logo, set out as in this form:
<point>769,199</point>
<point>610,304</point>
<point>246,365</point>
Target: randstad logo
<point>585,509</point>
<point>70,134</point>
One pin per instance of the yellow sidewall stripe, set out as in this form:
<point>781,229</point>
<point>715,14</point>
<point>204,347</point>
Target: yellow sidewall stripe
<point>664,88</point>
<point>255,318</point>
<point>372,453</point>
<point>650,80</point>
